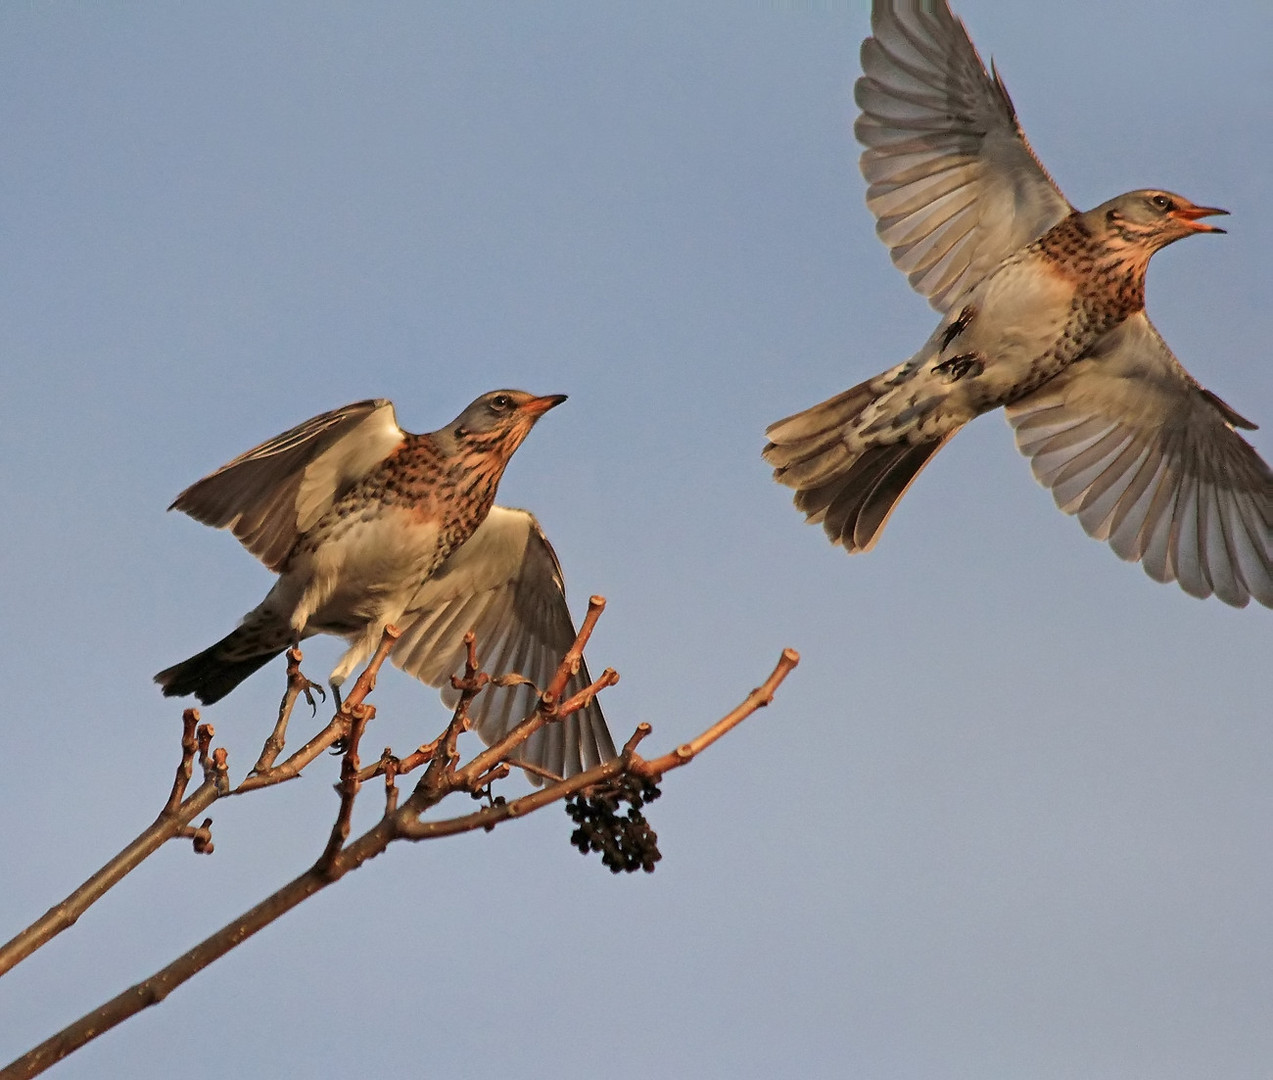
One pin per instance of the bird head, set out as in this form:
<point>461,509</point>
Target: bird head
<point>1153,219</point>
<point>496,422</point>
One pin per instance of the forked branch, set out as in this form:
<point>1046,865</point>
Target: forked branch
<point>402,819</point>
<point>174,820</point>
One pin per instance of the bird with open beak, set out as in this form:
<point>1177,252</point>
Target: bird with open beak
<point>1043,313</point>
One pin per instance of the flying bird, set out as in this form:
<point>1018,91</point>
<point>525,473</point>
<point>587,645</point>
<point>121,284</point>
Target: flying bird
<point>1043,313</point>
<point>366,525</point>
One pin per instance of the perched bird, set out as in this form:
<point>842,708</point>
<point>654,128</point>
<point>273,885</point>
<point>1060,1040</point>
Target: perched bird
<point>367,525</point>
<point>1043,311</point>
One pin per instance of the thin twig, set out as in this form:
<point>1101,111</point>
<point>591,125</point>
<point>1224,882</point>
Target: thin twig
<point>436,776</point>
<point>403,765</point>
<point>547,710</point>
<point>348,787</point>
<point>583,699</point>
<point>175,818</point>
<point>757,699</point>
<point>533,770</point>
<point>297,684</point>
<point>291,766</point>
<point>169,824</point>
<point>185,770</point>
<point>153,990</point>
<point>205,735</point>
<point>398,822</point>
<point>336,730</point>
<point>569,666</point>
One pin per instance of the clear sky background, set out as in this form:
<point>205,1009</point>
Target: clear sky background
<point>1011,815</point>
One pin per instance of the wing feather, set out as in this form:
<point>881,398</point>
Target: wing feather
<point>506,585</point>
<point>275,492</point>
<point>953,183</point>
<point>1151,462</point>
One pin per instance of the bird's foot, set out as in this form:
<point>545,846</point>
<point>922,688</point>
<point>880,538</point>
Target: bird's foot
<point>957,326</point>
<point>342,744</point>
<point>298,684</point>
<point>957,367</point>
<point>307,688</point>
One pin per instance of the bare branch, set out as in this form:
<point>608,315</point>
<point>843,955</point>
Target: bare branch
<point>757,699</point>
<point>336,730</point>
<point>367,680</point>
<point>205,735</point>
<point>412,761</point>
<point>533,770</point>
<point>583,699</point>
<point>296,685</point>
<point>169,824</point>
<point>349,784</point>
<point>569,665</point>
<point>291,767</point>
<point>185,770</point>
<point>336,861</point>
<point>153,990</point>
<point>403,821</point>
<point>547,709</point>
<point>175,818</point>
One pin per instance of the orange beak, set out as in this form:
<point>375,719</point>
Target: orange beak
<point>536,407</point>
<point>1188,217</point>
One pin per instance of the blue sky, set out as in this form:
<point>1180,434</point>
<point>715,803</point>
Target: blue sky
<point>1010,817</point>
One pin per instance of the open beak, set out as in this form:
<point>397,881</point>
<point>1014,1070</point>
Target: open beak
<point>536,407</point>
<point>1188,217</point>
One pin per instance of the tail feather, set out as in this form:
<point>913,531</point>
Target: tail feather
<point>213,673</point>
<point>797,439</point>
<point>868,505</point>
<point>824,462</point>
<point>840,519</point>
<point>850,488</point>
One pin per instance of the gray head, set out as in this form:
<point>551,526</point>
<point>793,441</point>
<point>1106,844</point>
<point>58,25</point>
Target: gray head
<point>497,421</point>
<point>1152,218</point>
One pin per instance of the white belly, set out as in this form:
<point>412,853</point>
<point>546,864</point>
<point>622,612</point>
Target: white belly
<point>365,576</point>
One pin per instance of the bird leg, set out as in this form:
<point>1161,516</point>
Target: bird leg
<point>297,683</point>
<point>308,688</point>
<point>957,367</point>
<point>961,323</point>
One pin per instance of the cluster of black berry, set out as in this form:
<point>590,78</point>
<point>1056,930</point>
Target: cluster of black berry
<point>626,841</point>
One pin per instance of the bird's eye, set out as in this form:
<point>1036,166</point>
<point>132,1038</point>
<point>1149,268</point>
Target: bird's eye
<point>501,402</point>
<point>1162,202</point>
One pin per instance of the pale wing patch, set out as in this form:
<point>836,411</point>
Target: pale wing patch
<point>349,458</point>
<point>271,494</point>
<point>505,584</point>
<point>954,185</point>
<point>1149,461</point>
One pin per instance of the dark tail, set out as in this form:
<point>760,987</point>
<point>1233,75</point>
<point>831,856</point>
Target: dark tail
<point>213,673</point>
<point>851,491</point>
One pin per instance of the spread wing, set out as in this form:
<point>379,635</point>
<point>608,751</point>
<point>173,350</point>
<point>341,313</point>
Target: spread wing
<point>954,185</point>
<point>506,585</point>
<point>275,492</point>
<point>1151,462</point>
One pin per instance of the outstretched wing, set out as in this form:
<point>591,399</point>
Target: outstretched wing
<point>275,492</point>
<point>505,584</point>
<point>1150,461</point>
<point>954,185</point>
